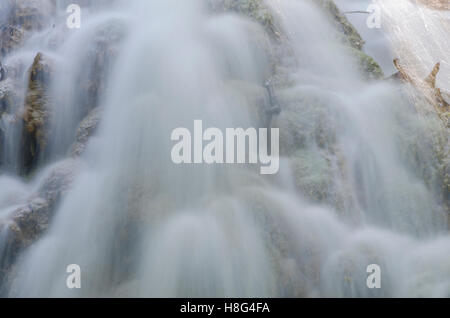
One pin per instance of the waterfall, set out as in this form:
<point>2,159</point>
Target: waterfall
<point>358,183</point>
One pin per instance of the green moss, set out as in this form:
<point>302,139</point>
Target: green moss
<point>312,174</point>
<point>254,9</point>
<point>424,146</point>
<point>350,35</point>
<point>368,66</point>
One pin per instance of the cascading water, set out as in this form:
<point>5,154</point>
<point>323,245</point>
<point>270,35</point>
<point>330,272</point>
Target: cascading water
<point>139,225</point>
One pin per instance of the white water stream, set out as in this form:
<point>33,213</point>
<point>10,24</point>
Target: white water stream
<point>138,225</point>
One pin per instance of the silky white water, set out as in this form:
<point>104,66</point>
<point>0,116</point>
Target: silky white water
<point>139,225</point>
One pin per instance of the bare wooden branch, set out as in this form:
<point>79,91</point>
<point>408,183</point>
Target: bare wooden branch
<point>426,87</point>
<point>436,4</point>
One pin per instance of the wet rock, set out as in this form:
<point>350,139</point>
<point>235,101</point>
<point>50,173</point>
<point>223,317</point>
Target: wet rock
<point>254,96</point>
<point>85,130</point>
<point>273,108</point>
<point>14,69</point>
<point>11,92</point>
<point>8,96</point>
<point>369,68</point>
<point>254,9</point>
<point>36,114</point>
<point>25,225</point>
<point>306,118</point>
<point>31,14</point>
<point>10,88</point>
<point>11,37</point>
<point>2,72</point>
<point>8,102</point>
<point>19,17</point>
<point>312,174</point>
<point>99,61</point>
<point>351,36</point>
<point>10,238</point>
<point>428,150</point>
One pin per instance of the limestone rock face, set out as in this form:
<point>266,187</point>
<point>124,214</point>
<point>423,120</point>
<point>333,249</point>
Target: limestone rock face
<point>18,17</point>
<point>31,14</point>
<point>8,95</point>
<point>369,68</point>
<point>85,130</point>
<point>10,38</point>
<point>25,224</point>
<point>9,99</point>
<point>36,114</point>
<point>10,87</point>
<point>98,63</point>
<point>313,175</point>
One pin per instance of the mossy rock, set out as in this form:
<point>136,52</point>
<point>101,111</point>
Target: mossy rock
<point>312,174</point>
<point>351,36</point>
<point>11,37</point>
<point>27,223</point>
<point>86,129</point>
<point>254,9</point>
<point>370,69</point>
<point>426,149</point>
<point>307,118</point>
<point>31,14</point>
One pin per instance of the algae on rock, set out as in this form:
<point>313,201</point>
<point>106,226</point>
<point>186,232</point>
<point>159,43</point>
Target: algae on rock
<point>254,9</point>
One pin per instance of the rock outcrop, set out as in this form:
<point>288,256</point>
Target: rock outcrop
<point>36,113</point>
<point>19,18</point>
<point>351,38</point>
<point>8,96</point>
<point>10,38</point>
<point>433,105</point>
<point>98,63</point>
<point>368,67</point>
<point>30,14</point>
<point>86,129</point>
<point>9,99</point>
<point>24,225</point>
<point>349,35</point>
